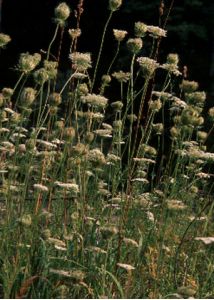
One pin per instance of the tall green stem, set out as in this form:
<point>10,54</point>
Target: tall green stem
<point>52,41</point>
<point>101,48</point>
<point>114,58</point>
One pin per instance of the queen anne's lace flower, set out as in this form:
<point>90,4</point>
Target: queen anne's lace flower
<point>147,65</point>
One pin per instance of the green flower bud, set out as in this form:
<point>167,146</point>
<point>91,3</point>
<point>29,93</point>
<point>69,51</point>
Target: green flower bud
<point>69,133</point>
<point>28,95</point>
<point>117,106</point>
<point>55,99</point>
<point>134,45</point>
<point>4,40</point>
<point>106,79</point>
<point>172,59</point>
<point>175,132</point>
<point>41,76</point>
<point>140,29</point>
<point>155,105</point>
<point>62,13</point>
<point>7,93</point>
<point>158,128</point>
<point>201,136</point>
<point>89,137</point>
<point>114,4</point>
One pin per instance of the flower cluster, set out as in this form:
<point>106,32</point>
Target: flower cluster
<point>81,61</point>
<point>95,100</point>
<point>119,34</point>
<point>147,65</point>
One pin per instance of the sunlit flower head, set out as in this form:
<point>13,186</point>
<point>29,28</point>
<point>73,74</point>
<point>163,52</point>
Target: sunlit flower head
<point>81,61</point>
<point>156,31</point>
<point>119,34</point>
<point>147,65</point>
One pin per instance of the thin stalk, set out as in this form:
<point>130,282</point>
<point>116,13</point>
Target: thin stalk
<point>17,83</point>
<point>58,54</point>
<point>52,41</point>
<point>140,112</point>
<point>114,58</point>
<point>101,48</point>
<point>67,82</point>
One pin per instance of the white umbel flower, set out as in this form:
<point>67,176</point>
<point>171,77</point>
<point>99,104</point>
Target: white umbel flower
<point>95,100</point>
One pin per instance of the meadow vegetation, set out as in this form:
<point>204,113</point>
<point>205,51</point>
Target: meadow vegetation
<point>96,200</point>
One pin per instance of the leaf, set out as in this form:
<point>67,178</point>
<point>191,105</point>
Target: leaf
<point>117,283</point>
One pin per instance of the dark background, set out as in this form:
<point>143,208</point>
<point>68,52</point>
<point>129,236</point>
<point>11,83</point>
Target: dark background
<point>190,32</point>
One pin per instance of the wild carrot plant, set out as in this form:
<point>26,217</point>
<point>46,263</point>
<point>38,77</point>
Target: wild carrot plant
<point>105,197</point>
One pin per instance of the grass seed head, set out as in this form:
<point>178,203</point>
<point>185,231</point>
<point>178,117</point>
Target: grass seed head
<point>40,187</point>
<point>126,267</point>
<point>130,242</point>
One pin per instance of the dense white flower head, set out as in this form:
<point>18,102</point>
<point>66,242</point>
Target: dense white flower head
<point>156,31</point>
<point>147,65</point>
<point>81,61</point>
<point>95,100</point>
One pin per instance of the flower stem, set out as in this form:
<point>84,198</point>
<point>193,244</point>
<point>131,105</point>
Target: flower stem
<point>101,48</point>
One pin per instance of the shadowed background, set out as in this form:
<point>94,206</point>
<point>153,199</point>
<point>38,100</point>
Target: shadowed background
<point>190,33</point>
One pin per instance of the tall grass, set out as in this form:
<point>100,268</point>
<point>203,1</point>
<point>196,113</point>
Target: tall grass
<point>92,208</point>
